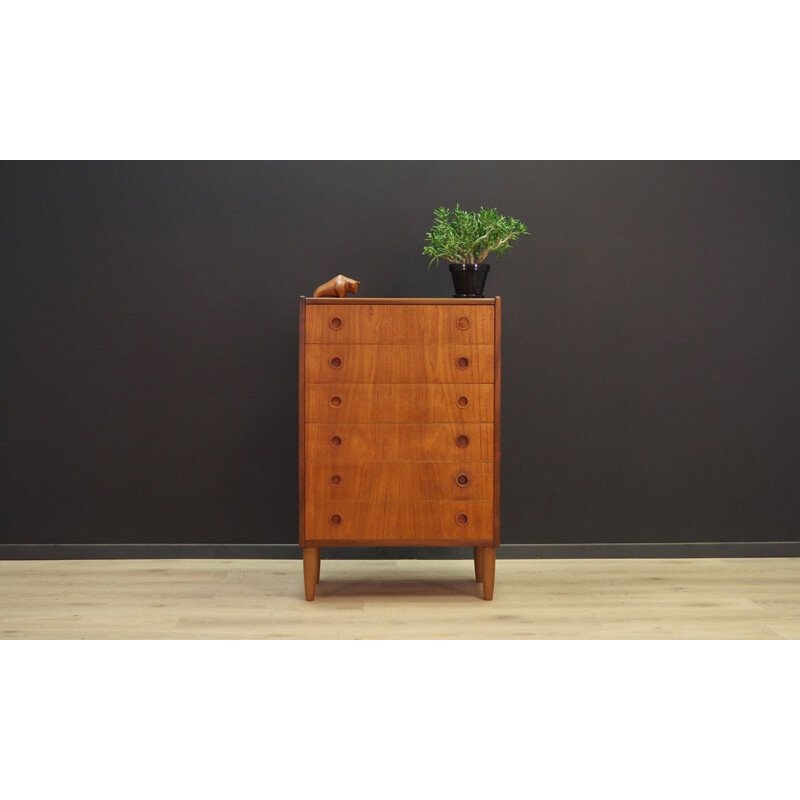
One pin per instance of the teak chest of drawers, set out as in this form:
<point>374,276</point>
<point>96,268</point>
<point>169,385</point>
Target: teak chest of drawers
<point>400,426</point>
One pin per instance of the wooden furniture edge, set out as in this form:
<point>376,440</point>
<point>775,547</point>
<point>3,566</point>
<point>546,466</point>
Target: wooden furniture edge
<point>497,357</point>
<point>399,543</point>
<point>401,301</point>
<point>301,413</point>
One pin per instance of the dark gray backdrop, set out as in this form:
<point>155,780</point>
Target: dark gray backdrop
<point>651,389</point>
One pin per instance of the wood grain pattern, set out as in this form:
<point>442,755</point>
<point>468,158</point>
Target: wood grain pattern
<point>434,520</point>
<point>403,301</point>
<point>301,434</point>
<point>399,402</point>
<point>311,557</point>
<point>497,357</point>
<point>401,542</point>
<point>567,599</point>
<point>403,480</point>
<point>399,324</point>
<point>488,571</point>
<point>477,558</point>
<point>399,442</point>
<point>388,363</point>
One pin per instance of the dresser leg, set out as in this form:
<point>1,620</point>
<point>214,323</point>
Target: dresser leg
<point>310,570</point>
<point>478,564</point>
<point>488,572</point>
<point>319,559</point>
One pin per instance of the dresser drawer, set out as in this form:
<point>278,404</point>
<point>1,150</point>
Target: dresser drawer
<point>399,402</point>
<point>399,324</point>
<point>409,521</point>
<point>406,480</point>
<point>391,363</point>
<point>334,443</point>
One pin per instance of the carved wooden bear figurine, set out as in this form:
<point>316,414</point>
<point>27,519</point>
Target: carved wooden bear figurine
<point>337,287</point>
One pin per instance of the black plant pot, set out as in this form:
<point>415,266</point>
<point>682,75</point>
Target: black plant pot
<point>469,279</point>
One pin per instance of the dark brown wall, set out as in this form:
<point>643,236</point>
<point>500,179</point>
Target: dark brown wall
<point>149,310</point>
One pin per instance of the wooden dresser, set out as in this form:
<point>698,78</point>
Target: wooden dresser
<point>400,426</point>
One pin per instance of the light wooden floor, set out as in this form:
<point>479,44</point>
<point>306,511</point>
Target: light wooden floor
<point>534,599</point>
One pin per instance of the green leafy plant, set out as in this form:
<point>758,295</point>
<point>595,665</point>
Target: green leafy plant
<point>468,237</point>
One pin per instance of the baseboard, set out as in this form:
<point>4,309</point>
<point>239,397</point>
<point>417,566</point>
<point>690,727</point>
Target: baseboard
<point>654,550</point>
<point>657,550</point>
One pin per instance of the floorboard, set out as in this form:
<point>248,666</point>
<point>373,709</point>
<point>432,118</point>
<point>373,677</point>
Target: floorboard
<point>737,598</point>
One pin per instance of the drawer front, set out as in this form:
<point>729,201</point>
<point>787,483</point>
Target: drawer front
<point>399,324</point>
<point>332,443</point>
<point>390,363</point>
<point>400,402</point>
<point>407,480</point>
<point>422,520</point>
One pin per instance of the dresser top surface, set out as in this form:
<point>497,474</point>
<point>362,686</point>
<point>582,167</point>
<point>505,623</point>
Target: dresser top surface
<point>443,301</point>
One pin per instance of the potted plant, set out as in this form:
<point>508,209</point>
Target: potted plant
<point>465,239</point>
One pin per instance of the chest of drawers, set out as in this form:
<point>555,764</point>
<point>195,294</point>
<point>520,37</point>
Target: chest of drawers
<point>399,440</point>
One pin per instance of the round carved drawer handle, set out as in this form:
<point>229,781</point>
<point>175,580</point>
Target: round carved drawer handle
<point>336,401</point>
<point>462,441</point>
<point>336,480</point>
<point>463,323</point>
<point>336,323</point>
<point>336,362</point>
<point>462,479</point>
<point>336,441</point>
<point>337,520</point>
<point>462,402</point>
<point>462,519</point>
<point>462,363</point>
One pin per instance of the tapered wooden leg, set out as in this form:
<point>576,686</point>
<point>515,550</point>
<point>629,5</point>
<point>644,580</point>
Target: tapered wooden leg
<point>310,570</point>
<point>488,572</point>
<point>478,564</point>
<point>319,559</point>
